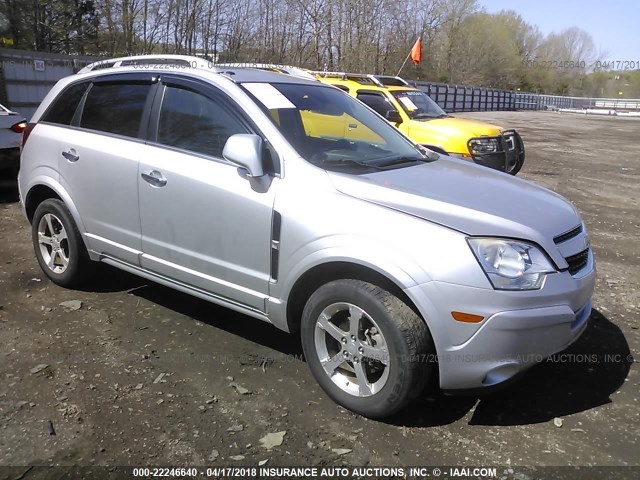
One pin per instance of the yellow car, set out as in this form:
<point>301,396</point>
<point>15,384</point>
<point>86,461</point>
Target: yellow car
<point>422,120</point>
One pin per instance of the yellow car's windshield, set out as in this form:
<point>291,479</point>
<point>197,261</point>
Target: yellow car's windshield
<point>418,104</point>
<point>332,130</point>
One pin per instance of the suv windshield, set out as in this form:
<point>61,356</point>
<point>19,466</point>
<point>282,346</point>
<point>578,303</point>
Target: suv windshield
<point>332,130</point>
<point>418,104</point>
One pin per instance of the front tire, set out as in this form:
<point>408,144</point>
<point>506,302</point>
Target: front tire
<point>368,350</point>
<point>58,244</point>
<point>517,166</point>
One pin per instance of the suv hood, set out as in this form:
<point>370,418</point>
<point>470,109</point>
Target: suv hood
<point>474,200</point>
<point>457,126</point>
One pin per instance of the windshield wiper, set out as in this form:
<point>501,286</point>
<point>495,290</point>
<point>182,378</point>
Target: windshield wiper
<point>430,154</point>
<point>349,161</point>
<point>429,115</point>
<point>401,160</point>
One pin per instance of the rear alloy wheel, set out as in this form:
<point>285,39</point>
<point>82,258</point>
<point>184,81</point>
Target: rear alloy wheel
<point>59,248</point>
<point>54,243</point>
<point>367,349</point>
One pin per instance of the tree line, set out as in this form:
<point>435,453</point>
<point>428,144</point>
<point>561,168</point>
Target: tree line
<point>462,43</point>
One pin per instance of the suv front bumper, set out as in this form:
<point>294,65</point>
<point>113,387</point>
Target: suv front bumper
<point>511,153</point>
<point>513,341</point>
<point>520,329</point>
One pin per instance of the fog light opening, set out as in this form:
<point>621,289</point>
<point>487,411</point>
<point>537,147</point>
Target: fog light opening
<point>500,374</point>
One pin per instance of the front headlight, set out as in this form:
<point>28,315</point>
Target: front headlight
<point>479,146</point>
<point>511,264</point>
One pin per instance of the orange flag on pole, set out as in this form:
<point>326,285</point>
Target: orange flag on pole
<point>416,52</point>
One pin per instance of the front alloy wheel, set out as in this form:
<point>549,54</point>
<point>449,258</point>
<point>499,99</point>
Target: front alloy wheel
<point>352,349</point>
<point>368,350</point>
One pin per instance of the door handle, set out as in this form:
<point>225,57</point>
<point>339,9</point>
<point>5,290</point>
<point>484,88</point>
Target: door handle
<point>154,178</point>
<point>71,155</point>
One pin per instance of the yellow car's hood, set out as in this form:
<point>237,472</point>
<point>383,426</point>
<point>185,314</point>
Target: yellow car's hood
<point>466,126</point>
<point>450,133</point>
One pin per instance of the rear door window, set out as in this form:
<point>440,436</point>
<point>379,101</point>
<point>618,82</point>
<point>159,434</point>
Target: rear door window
<point>64,107</point>
<point>115,108</point>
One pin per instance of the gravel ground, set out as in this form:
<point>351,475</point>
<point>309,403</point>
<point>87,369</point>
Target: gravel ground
<point>133,373</point>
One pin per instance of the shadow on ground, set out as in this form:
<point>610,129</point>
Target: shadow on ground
<point>8,189</point>
<point>223,318</point>
<point>583,377</point>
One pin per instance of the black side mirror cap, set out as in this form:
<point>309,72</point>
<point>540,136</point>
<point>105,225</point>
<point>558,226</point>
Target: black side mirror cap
<point>393,116</point>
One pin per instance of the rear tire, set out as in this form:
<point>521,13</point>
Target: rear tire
<point>368,350</point>
<point>58,244</point>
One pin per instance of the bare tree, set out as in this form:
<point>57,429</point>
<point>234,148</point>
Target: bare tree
<point>461,42</point>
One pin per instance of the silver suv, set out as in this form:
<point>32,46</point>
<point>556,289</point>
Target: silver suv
<point>289,201</point>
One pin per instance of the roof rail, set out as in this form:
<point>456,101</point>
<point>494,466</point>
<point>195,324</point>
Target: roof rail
<point>273,67</point>
<point>350,76</point>
<point>180,61</point>
<point>392,80</point>
<point>378,80</point>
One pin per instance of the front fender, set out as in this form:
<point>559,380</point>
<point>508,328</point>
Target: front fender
<point>356,250</point>
<point>395,271</point>
<point>400,273</point>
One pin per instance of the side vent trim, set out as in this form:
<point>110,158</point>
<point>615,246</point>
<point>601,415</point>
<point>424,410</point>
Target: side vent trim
<point>276,225</point>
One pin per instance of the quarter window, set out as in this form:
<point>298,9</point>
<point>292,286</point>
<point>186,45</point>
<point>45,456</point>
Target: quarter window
<point>115,108</point>
<point>195,122</point>
<point>65,106</point>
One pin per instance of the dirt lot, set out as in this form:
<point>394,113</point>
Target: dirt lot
<point>142,375</point>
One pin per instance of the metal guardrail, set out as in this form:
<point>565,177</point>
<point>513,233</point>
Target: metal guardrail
<point>535,101</point>
<point>462,98</point>
<point>617,104</point>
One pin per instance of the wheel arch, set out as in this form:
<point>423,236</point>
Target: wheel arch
<point>36,195</point>
<point>44,188</point>
<point>322,273</point>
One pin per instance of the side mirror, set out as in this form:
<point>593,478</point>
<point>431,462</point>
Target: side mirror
<point>393,116</point>
<point>245,150</point>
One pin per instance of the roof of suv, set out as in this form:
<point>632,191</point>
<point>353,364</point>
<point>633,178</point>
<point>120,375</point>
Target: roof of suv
<point>273,67</point>
<point>194,65</point>
<point>363,84</point>
<point>381,81</point>
<point>244,75</point>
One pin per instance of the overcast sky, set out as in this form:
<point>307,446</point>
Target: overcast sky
<point>613,24</point>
